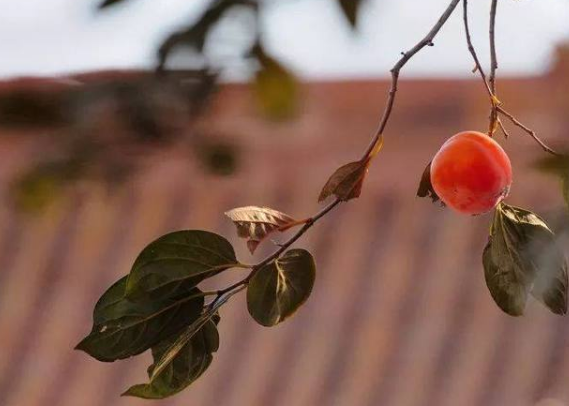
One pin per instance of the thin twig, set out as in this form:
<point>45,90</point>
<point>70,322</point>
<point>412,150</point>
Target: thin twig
<point>494,122</point>
<point>493,100</point>
<point>503,128</point>
<point>395,71</point>
<point>283,247</point>
<point>478,67</point>
<point>493,53</point>
<point>528,130</point>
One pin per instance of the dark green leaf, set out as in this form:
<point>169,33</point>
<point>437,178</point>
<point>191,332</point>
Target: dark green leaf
<point>350,9</point>
<point>179,256</point>
<point>185,368</point>
<point>278,289</point>
<point>275,86</point>
<point>522,257</point>
<point>123,328</point>
<point>171,353</point>
<point>346,182</point>
<point>426,187</point>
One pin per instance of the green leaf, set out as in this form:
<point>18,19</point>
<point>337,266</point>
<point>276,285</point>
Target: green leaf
<point>521,258</point>
<point>185,368</point>
<point>171,353</point>
<point>123,327</point>
<point>275,86</point>
<point>177,257</point>
<point>278,289</point>
<point>350,9</point>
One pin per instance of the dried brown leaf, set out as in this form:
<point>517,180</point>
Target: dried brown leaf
<point>255,223</point>
<point>426,187</point>
<point>346,183</point>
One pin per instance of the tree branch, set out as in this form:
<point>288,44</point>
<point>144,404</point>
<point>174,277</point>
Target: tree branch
<point>493,99</point>
<point>528,130</point>
<point>493,54</point>
<point>395,71</point>
<point>494,119</point>
<point>472,50</point>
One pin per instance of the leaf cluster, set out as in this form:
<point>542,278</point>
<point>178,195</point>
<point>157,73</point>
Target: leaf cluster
<point>158,306</point>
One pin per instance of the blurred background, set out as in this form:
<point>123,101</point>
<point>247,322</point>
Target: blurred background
<point>123,120</point>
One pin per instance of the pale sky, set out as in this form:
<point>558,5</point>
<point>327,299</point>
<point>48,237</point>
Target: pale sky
<point>58,36</point>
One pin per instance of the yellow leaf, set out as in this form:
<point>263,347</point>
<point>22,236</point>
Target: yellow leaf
<point>377,147</point>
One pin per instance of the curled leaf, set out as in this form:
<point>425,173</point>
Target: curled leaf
<point>186,367</point>
<point>346,183</point>
<point>521,258</point>
<point>255,223</point>
<point>426,187</point>
<point>169,355</point>
<point>278,289</point>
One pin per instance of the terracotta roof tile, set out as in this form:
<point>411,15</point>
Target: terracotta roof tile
<point>400,314</point>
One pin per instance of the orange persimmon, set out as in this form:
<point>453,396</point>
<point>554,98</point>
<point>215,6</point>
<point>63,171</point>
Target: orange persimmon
<point>471,173</point>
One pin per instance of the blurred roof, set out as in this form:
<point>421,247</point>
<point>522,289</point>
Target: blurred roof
<point>400,314</point>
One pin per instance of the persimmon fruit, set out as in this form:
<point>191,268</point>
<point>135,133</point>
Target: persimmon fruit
<point>471,173</point>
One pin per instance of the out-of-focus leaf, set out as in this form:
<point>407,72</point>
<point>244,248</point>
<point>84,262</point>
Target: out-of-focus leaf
<point>350,9</point>
<point>195,35</point>
<point>123,327</point>
<point>218,158</point>
<point>177,257</point>
<point>188,365</point>
<point>278,289</point>
<point>275,86</point>
<point>346,182</point>
<point>522,257</point>
<point>108,3</point>
<point>37,188</point>
<point>255,223</point>
<point>557,165</point>
<point>35,191</point>
<point>27,108</point>
<point>426,187</point>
